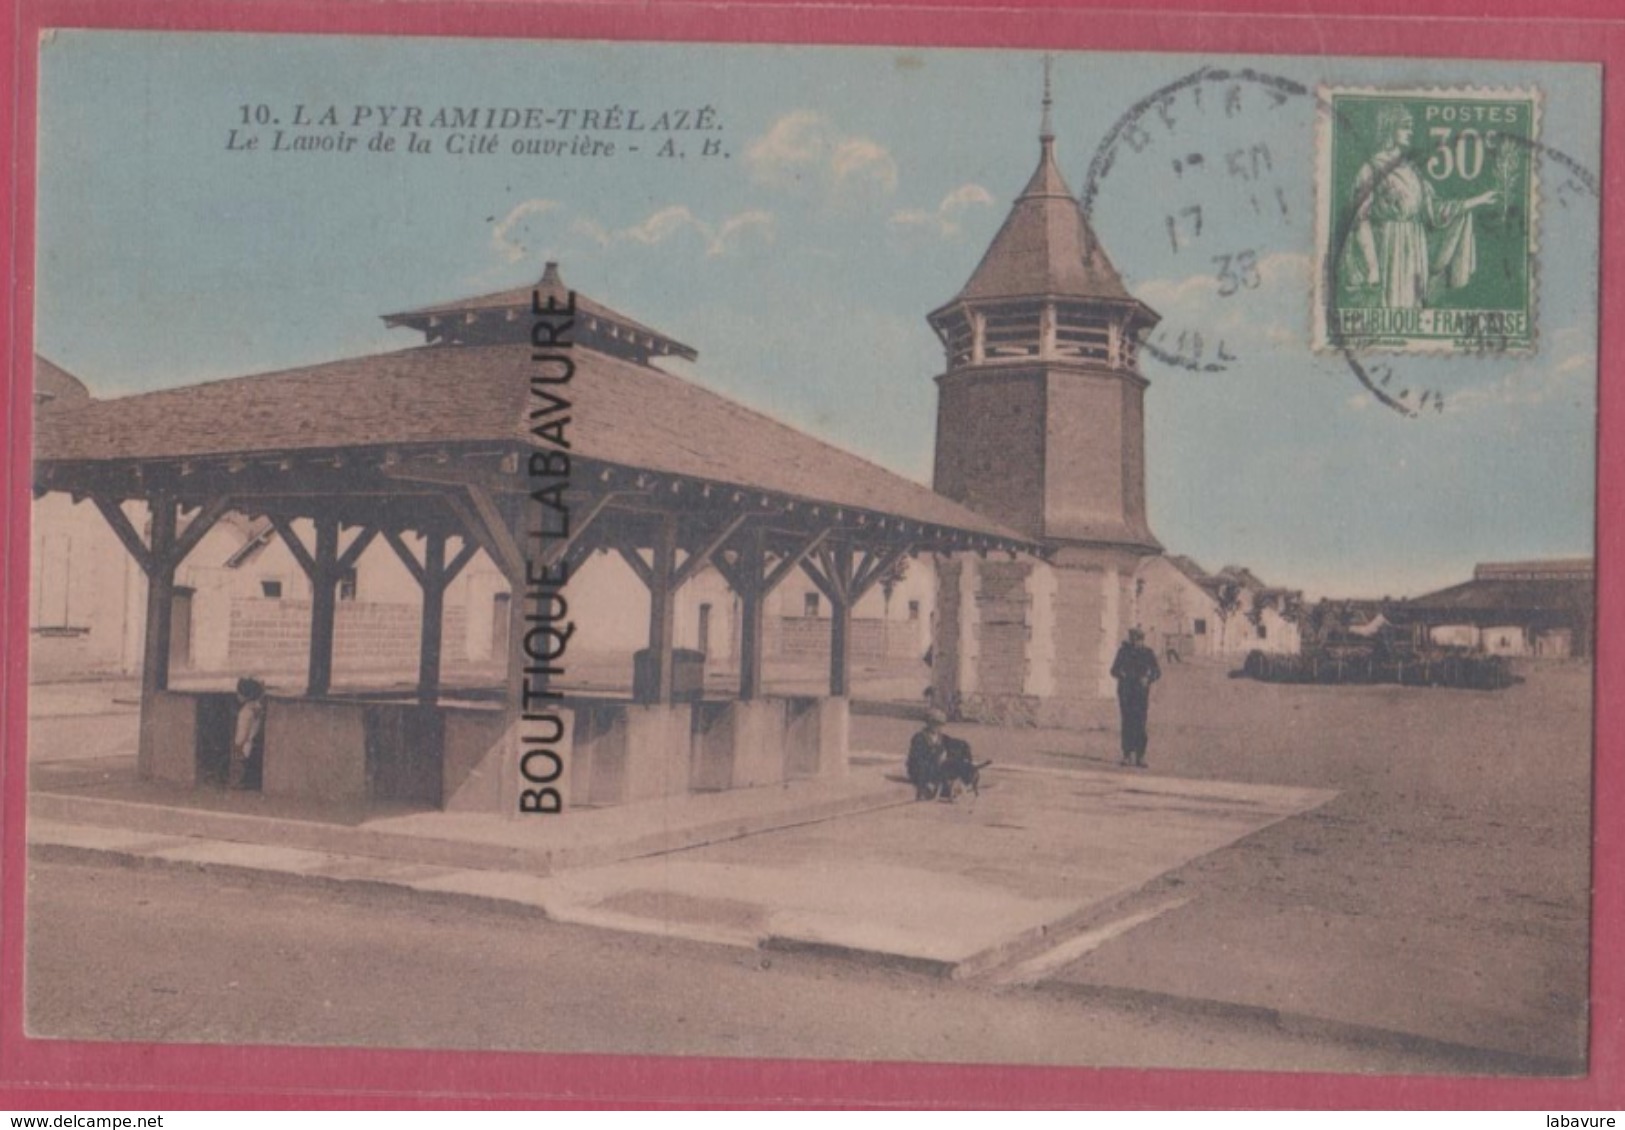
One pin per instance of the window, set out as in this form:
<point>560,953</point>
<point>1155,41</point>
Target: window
<point>1263,632</point>
<point>53,590</point>
<point>1200,628</point>
<point>347,585</point>
<point>271,590</point>
<point>913,610</point>
<point>809,604</point>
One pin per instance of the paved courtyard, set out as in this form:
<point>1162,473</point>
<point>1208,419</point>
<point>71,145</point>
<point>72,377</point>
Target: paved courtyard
<point>1395,864</point>
<point>1444,892</point>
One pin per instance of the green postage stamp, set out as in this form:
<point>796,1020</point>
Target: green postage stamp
<point>1427,211</point>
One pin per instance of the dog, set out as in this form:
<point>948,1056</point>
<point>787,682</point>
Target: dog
<point>938,764</point>
<point>959,771</point>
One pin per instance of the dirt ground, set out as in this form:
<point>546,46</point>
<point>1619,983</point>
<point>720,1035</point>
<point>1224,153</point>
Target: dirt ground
<point>1442,895</point>
<point>1444,892</point>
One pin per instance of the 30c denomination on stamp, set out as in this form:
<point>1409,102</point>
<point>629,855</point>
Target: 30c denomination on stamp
<point>1426,224</point>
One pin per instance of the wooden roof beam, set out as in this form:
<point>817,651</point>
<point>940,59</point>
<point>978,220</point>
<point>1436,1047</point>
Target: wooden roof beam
<point>357,547</point>
<point>291,539</point>
<point>199,527</point>
<point>408,558</point>
<point>697,561</point>
<point>116,518</point>
<point>793,559</point>
<point>560,549</point>
<point>481,518</point>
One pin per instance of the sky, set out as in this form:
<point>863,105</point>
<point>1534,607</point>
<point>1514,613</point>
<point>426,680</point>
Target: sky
<point>848,192</point>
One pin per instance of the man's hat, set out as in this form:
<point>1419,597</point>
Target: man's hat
<point>1136,636</point>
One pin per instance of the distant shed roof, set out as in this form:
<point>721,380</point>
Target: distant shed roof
<point>1508,596</point>
<point>1546,569</point>
<point>622,413</point>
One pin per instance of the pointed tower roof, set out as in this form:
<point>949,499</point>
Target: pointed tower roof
<point>1046,247</point>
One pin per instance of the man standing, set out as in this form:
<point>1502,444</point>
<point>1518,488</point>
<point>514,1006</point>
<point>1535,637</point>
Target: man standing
<point>1135,669</point>
<point>248,741</point>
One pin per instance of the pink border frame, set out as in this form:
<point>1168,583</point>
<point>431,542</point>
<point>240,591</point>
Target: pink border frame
<point>64,1075</point>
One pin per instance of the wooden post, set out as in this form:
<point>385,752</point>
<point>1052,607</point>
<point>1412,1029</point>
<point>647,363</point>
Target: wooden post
<point>323,607</point>
<point>434,610</point>
<point>840,624</point>
<point>752,596</point>
<point>160,597</point>
<point>662,608</point>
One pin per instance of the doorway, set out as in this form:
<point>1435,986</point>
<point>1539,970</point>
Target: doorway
<point>180,629</point>
<point>499,625</point>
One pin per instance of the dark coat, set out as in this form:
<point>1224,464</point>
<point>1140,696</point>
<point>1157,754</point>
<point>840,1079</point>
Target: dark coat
<point>1136,667</point>
<point>925,756</point>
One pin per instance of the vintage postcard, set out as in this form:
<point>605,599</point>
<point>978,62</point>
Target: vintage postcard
<point>1049,558</point>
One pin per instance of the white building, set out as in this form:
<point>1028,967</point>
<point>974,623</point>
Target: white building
<point>1188,612</point>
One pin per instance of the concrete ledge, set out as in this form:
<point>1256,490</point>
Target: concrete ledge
<point>878,959</point>
<point>538,845</point>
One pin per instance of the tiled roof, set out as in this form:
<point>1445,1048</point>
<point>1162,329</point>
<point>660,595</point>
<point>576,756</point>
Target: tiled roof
<point>1045,247</point>
<point>550,286</point>
<point>1481,596</point>
<point>1543,569</point>
<point>622,413</point>
<point>1242,576</point>
<point>56,386</point>
<point>1188,567</point>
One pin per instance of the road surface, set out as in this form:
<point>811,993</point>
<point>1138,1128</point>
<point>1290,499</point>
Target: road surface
<point>150,954</point>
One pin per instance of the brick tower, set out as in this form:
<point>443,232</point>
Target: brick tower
<point>1040,425</point>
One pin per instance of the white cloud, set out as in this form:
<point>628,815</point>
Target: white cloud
<point>1572,371</point>
<point>805,151</point>
<point>508,236</point>
<point>674,220</point>
<point>1269,310</point>
<point>944,219</point>
<point>1201,291</point>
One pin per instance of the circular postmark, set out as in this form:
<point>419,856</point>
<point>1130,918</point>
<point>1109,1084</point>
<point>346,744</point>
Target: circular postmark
<point>1239,207</point>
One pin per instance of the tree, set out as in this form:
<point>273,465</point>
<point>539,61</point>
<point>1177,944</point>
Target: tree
<point>1226,598</point>
<point>890,579</point>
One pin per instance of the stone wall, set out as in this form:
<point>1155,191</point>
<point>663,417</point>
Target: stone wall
<point>1004,607</point>
<point>807,637</point>
<point>1028,643</point>
<point>990,444</point>
<point>274,635</point>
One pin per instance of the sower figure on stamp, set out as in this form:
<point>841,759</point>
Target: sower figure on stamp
<point>248,739</point>
<point>1395,206</point>
<point>1135,669</point>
